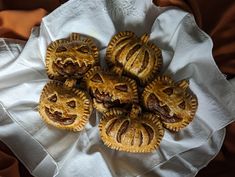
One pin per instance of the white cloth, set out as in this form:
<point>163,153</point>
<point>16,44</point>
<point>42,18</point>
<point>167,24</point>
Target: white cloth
<point>47,151</point>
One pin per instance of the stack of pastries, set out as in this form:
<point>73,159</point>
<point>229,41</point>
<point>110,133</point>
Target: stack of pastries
<point>135,100</point>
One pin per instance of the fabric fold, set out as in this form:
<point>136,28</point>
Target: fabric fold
<point>220,26</point>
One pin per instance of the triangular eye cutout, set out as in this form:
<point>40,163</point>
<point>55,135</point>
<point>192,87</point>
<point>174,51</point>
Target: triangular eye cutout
<point>182,105</point>
<point>83,49</point>
<point>152,99</point>
<point>53,98</point>
<point>168,91</point>
<point>61,49</point>
<point>152,102</point>
<point>122,87</point>
<point>71,104</point>
<point>97,78</point>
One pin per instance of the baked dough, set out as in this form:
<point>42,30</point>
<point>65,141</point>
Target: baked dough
<point>175,102</point>
<point>64,107</point>
<point>131,131</point>
<point>133,56</point>
<point>109,90</point>
<point>71,57</point>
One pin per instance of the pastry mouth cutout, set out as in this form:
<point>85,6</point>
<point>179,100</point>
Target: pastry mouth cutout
<point>131,132</point>
<point>133,56</point>
<point>167,116</point>
<point>110,90</point>
<point>57,116</point>
<point>64,107</point>
<point>175,102</point>
<point>106,98</point>
<point>70,67</point>
<point>71,57</point>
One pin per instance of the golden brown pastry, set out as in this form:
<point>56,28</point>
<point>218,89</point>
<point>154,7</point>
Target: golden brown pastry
<point>64,107</point>
<point>175,102</point>
<point>131,132</point>
<point>71,57</point>
<point>137,57</point>
<point>109,90</point>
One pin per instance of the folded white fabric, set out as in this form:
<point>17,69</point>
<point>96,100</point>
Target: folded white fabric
<point>186,54</point>
<point>40,163</point>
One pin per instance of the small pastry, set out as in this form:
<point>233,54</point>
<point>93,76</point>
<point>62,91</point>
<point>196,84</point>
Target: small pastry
<point>109,90</point>
<point>71,57</point>
<point>133,56</point>
<point>64,107</point>
<point>131,132</point>
<point>175,102</point>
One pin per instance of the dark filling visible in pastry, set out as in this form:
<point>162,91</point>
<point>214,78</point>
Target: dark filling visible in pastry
<point>106,99</point>
<point>149,131</point>
<point>57,117</point>
<point>70,68</point>
<point>153,105</point>
<point>122,129</point>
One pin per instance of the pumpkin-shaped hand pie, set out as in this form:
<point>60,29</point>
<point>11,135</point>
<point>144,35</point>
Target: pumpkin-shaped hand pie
<point>71,57</point>
<point>131,132</point>
<point>64,107</point>
<point>175,102</point>
<point>133,56</point>
<point>108,90</point>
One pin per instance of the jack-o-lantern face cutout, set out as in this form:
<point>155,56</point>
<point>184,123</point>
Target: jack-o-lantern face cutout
<point>64,107</point>
<point>136,57</point>
<point>131,132</point>
<point>109,90</point>
<point>71,58</point>
<point>175,102</point>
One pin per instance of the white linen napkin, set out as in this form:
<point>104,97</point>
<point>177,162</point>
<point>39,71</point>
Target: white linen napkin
<point>186,54</point>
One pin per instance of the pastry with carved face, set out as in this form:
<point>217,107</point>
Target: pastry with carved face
<point>133,56</point>
<point>131,131</point>
<point>109,90</point>
<point>71,57</point>
<point>64,107</point>
<point>175,102</point>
